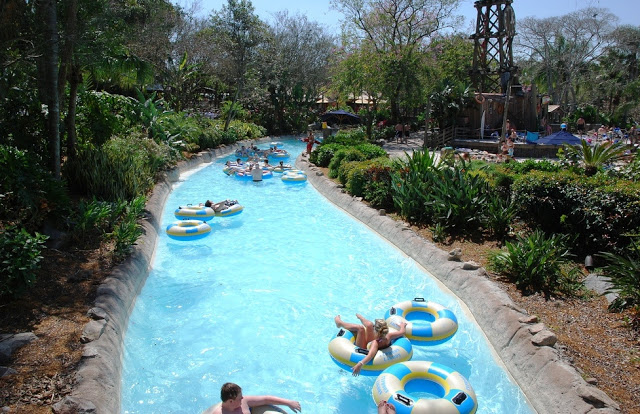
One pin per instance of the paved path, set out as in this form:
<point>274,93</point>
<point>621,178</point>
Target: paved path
<point>398,150</point>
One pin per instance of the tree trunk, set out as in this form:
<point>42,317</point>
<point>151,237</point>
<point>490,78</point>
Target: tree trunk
<point>74,81</point>
<point>50,59</point>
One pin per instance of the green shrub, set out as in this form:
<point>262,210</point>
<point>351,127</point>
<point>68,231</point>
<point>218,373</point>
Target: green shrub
<point>122,169</point>
<point>20,258</point>
<point>28,193</point>
<point>623,272</point>
<point>92,219</point>
<point>100,115</point>
<point>343,154</point>
<point>371,151</point>
<point>348,138</point>
<point>127,231</point>
<point>500,215</point>
<point>537,263</point>
<point>322,155</point>
<point>457,200</point>
<point>597,209</point>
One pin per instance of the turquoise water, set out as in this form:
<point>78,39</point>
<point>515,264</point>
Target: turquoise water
<point>253,303</point>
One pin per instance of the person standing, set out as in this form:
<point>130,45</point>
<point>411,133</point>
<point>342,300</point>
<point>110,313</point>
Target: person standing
<point>580,125</point>
<point>310,140</point>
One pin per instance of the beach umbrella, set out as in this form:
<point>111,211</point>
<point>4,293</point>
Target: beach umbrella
<point>340,117</point>
<point>559,138</point>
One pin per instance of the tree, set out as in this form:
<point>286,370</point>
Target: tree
<point>396,30</point>
<point>235,32</point>
<point>556,51</point>
<point>293,69</point>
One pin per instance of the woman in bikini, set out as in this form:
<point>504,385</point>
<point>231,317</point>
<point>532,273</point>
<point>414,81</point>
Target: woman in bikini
<point>369,335</point>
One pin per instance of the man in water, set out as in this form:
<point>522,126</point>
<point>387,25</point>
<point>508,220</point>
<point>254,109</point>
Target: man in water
<point>234,402</point>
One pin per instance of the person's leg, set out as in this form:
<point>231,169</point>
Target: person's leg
<point>357,330</point>
<point>368,330</point>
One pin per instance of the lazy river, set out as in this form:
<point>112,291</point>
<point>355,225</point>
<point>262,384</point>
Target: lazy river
<point>253,303</point>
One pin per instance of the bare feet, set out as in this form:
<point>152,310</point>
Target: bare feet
<point>362,319</point>
<point>338,321</point>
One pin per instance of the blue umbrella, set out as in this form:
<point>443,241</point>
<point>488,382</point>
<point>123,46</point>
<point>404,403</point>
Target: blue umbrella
<point>559,138</point>
<point>340,117</point>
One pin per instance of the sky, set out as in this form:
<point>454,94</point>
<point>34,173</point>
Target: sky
<point>322,12</point>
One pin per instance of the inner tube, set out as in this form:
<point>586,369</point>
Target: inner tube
<point>188,230</point>
<point>230,211</point>
<point>193,212</point>
<point>453,392</point>
<point>294,176</point>
<point>428,323</point>
<point>346,354</point>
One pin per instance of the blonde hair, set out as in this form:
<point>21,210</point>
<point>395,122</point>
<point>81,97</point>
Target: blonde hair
<point>381,328</point>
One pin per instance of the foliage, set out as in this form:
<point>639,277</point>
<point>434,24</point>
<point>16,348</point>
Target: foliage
<point>343,154</point>
<point>28,193</point>
<point>500,215</point>
<point>596,210</point>
<point>457,200</point>
<point>20,255</point>
<point>536,263</point>
<point>91,217</point>
<point>348,138</point>
<point>127,231</point>
<point>593,158</point>
<point>411,179</point>
<point>623,272</point>
<point>101,115</point>
<point>122,169</point>
<point>323,154</point>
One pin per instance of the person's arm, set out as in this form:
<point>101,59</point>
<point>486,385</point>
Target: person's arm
<point>256,400</point>
<point>373,349</point>
<point>400,332</point>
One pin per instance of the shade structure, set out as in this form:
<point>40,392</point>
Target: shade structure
<point>559,138</point>
<point>340,117</point>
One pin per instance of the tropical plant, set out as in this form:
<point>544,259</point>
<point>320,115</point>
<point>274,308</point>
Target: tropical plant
<point>127,231</point>
<point>593,158</point>
<point>536,263</point>
<point>623,272</point>
<point>500,216</point>
<point>411,179</point>
<point>20,255</point>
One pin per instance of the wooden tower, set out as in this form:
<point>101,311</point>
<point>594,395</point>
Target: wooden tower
<point>493,66</point>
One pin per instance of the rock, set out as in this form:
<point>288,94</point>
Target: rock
<point>470,266</point>
<point>528,319</point>
<point>9,343</point>
<point>455,254</point>
<point>382,212</point>
<point>596,397</point>
<point>72,405</point>
<point>534,329</point>
<point>592,381</point>
<point>319,173</point>
<point>97,314</point>
<point>92,331</point>
<point>5,372</point>
<point>599,284</point>
<point>544,338</point>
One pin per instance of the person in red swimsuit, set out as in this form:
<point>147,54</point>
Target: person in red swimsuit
<point>375,336</point>
<point>310,140</point>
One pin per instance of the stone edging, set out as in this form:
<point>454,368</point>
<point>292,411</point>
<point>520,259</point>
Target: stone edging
<point>551,385</point>
<point>98,377</point>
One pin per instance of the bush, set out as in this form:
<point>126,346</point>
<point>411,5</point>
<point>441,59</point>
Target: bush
<point>20,258</point>
<point>347,138</point>
<point>127,231</point>
<point>623,272</point>
<point>500,215</point>
<point>371,180</point>
<point>598,210</point>
<point>28,193</point>
<point>537,263</point>
<point>343,154</point>
<point>122,169</point>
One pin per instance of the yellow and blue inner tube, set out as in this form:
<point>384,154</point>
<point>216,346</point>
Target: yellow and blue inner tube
<point>428,323</point>
<point>188,230</point>
<point>294,176</point>
<point>230,211</point>
<point>192,212</point>
<point>346,354</point>
<point>442,390</point>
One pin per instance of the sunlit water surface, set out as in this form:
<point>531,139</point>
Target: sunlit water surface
<point>253,303</point>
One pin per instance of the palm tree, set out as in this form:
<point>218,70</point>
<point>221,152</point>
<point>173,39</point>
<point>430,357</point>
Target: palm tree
<point>595,157</point>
